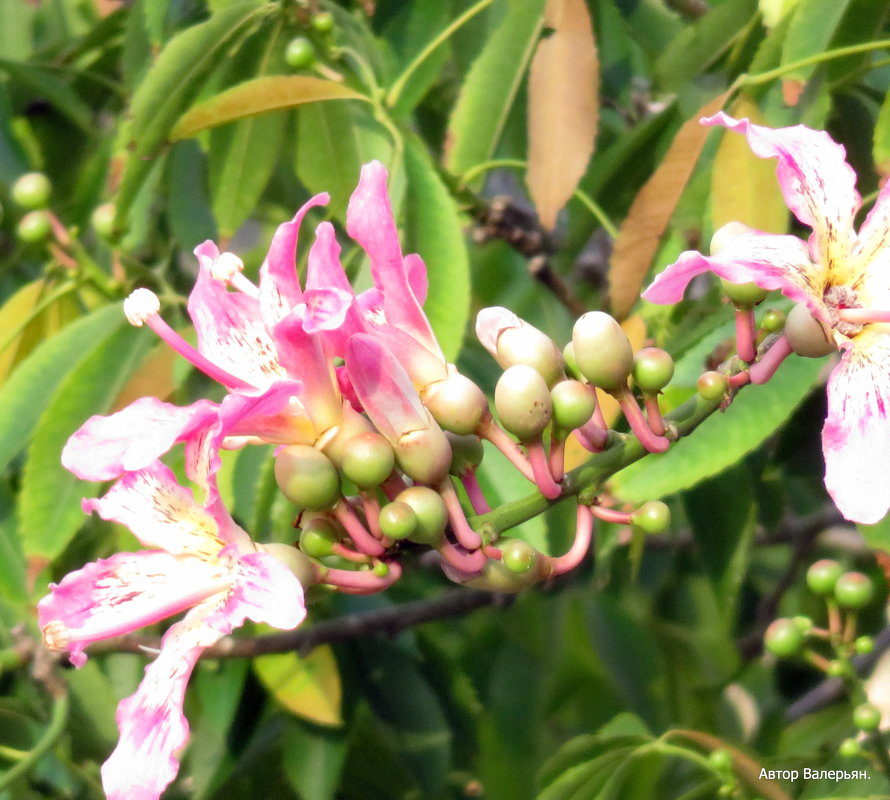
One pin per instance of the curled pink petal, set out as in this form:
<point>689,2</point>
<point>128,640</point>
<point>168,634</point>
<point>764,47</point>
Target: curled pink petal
<point>491,322</point>
<point>856,436</point>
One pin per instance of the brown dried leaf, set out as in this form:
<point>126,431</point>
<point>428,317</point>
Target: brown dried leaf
<point>563,107</point>
<point>652,209</point>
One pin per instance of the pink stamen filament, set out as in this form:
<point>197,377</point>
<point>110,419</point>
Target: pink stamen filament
<point>771,360</point>
<point>474,492</point>
<point>361,538</point>
<point>592,436</point>
<point>371,507</point>
<point>638,425</point>
<point>340,549</point>
<point>739,379</point>
<point>557,457</point>
<point>745,333</point>
<point>864,315</point>
<point>489,429</point>
<point>468,563</point>
<point>611,515</point>
<point>181,346</point>
<point>541,469</point>
<point>362,581</point>
<point>580,546</point>
<point>464,534</point>
<point>393,486</point>
<point>653,414</point>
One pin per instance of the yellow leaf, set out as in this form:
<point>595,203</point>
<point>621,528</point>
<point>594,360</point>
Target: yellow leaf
<point>744,187</point>
<point>652,209</point>
<point>257,96</point>
<point>308,687</point>
<point>563,107</point>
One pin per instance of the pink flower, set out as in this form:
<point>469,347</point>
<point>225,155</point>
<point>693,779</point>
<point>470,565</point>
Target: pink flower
<point>203,563</point>
<point>842,276</point>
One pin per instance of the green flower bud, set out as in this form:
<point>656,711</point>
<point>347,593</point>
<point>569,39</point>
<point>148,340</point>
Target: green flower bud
<point>838,668</point>
<point>743,295</point>
<point>299,53</point>
<point>297,562</point>
<point>307,477</point>
<point>466,452</point>
<point>397,520</point>
<point>323,22</point>
<point>456,403</point>
<point>102,220</point>
<point>518,556</point>
<point>849,748</point>
<point>853,590</point>
<point>31,190</point>
<point>429,508</point>
<point>720,760</point>
<point>573,404</point>
<point>34,227</point>
<point>822,576</point>
<point>528,346</point>
<point>724,235</point>
<point>653,369</point>
<point>334,443</point>
<point>369,460</point>
<point>864,645</point>
<point>602,351</point>
<point>783,638</point>
<point>712,385</point>
<point>380,569</point>
<point>773,320</point>
<point>866,717</point>
<point>568,354</point>
<point>318,536</point>
<point>807,336</point>
<point>522,401</point>
<point>653,517</point>
<point>804,623</point>
<point>424,455</point>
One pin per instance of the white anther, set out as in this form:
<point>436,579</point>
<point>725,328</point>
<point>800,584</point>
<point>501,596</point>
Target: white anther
<point>140,305</point>
<point>226,267</point>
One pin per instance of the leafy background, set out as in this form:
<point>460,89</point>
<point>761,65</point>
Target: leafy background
<point>618,681</point>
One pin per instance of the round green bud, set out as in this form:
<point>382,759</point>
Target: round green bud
<point>323,22</point>
<point>725,234</point>
<point>318,537</point>
<point>368,461</point>
<point>456,403</point>
<point>783,638</point>
<point>726,790</point>
<point>518,556</point>
<point>653,369</point>
<point>573,404</point>
<point>807,336</point>
<point>849,748</point>
<point>838,668</point>
<point>568,354</point>
<point>34,227</point>
<point>466,452</point>
<point>429,508</point>
<point>397,520</point>
<point>424,455</point>
<point>334,443</point>
<point>853,590</point>
<point>864,645</point>
<point>653,517</point>
<point>102,220</point>
<point>822,576</point>
<point>773,320</point>
<point>380,569</point>
<point>533,348</point>
<point>298,563</point>
<point>720,760</point>
<point>804,623</point>
<point>743,295</point>
<point>602,350</point>
<point>299,53</point>
<point>523,402</point>
<point>307,477</point>
<point>712,385</point>
<point>866,717</point>
<point>31,190</point>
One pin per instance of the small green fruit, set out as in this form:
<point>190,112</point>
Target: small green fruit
<point>720,760</point>
<point>838,668</point>
<point>573,404</point>
<point>849,748</point>
<point>368,460</point>
<point>712,385</point>
<point>602,351</point>
<point>34,227</point>
<point>32,190</point>
<point>743,295</point>
<point>518,556</point>
<point>102,220</point>
<point>822,576</point>
<point>307,477</point>
<point>864,645</point>
<point>318,537</point>
<point>300,53</point>
<point>783,638</point>
<point>397,520</point>
<point>323,22</point>
<point>866,717</point>
<point>773,320</point>
<point>523,401</point>
<point>432,516</point>
<point>853,590</point>
<point>653,517</point>
<point>653,369</point>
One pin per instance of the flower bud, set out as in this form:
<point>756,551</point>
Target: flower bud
<point>867,717</point>
<point>455,402</point>
<point>712,385</point>
<point>807,336</point>
<point>573,404</point>
<point>34,228</point>
<point>368,460</point>
<point>318,536</point>
<point>298,563</point>
<point>523,402</point>
<point>497,577</point>
<point>853,590</point>
<point>397,520</point>
<point>568,354</point>
<point>335,441</point>
<point>307,477</point>
<point>724,235</point>
<point>653,517</point>
<point>513,341</point>
<point>602,351</point>
<point>518,556</point>
<point>822,576</point>
<point>773,320</point>
<point>743,295</point>
<point>783,638</point>
<point>31,190</point>
<point>429,508</point>
<point>466,453</point>
<point>424,455</point>
<point>653,369</point>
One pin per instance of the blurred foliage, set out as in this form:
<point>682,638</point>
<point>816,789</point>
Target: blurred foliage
<point>186,116</point>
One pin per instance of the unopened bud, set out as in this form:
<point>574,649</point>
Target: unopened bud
<point>497,577</point>
<point>518,556</point>
<point>743,295</point>
<point>298,563</point>
<point>653,517</point>
<point>602,351</point>
<point>318,537</point>
<point>512,341</point>
<point>429,508</point>
<point>653,369</point>
<point>368,460</point>
<point>523,402</point>
<point>724,235</point>
<point>397,520</point>
<point>424,455</point>
<point>712,385</point>
<point>307,477</point>
<point>773,320</point>
<point>808,336</point>
<point>466,453</point>
<point>455,402</point>
<point>573,404</point>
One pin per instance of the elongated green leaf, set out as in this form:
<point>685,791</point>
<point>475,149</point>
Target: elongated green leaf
<point>308,687</point>
<point>435,231</point>
<point>188,204</point>
<point>491,86</point>
<point>44,84</point>
<point>50,510</point>
<point>12,560</point>
<point>170,85</point>
<point>258,96</point>
<point>313,759</point>
<point>723,438</point>
<point>881,146</point>
<point>28,390</point>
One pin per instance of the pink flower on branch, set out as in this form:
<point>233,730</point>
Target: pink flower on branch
<point>202,563</point>
<point>842,277</point>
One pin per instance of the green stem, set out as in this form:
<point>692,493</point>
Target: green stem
<point>587,201</point>
<point>398,86</point>
<point>50,736</point>
<point>818,58</point>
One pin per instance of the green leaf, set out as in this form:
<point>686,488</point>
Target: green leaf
<point>13,161</point>
<point>188,205</point>
<point>492,84</point>
<point>583,766</point>
<point>44,84</point>
<point>12,559</point>
<point>25,395</point>
<point>723,438</point>
<point>170,85</point>
<point>435,231</point>
<point>50,512</point>
<point>333,141</point>
<point>258,96</point>
<point>313,759</point>
<point>881,147</point>
<point>308,687</point>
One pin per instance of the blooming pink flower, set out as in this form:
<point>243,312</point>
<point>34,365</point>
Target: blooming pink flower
<point>204,564</point>
<point>842,276</point>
